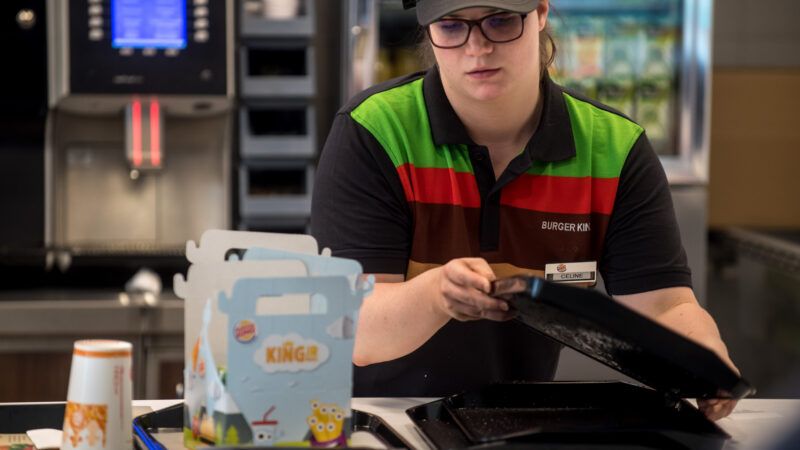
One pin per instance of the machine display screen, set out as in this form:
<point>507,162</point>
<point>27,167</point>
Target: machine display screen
<point>159,24</point>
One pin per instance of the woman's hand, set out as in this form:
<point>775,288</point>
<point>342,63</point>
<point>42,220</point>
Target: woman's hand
<point>717,408</point>
<point>462,291</point>
<point>677,309</point>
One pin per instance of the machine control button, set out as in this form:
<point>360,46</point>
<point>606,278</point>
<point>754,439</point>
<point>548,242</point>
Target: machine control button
<point>95,21</point>
<point>95,10</point>
<point>172,52</point>
<point>201,36</point>
<point>95,34</point>
<point>126,51</point>
<point>26,19</point>
<point>201,11</point>
<point>149,51</point>
<point>201,23</point>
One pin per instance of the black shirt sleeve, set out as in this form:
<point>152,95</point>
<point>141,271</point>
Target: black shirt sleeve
<point>358,206</point>
<point>642,250</point>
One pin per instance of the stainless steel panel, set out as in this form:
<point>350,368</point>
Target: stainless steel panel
<point>128,214</point>
<point>96,203</point>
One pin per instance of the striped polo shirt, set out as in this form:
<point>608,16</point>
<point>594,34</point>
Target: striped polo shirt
<point>550,206</point>
<point>402,188</point>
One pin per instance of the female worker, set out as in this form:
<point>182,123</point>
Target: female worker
<point>481,168</point>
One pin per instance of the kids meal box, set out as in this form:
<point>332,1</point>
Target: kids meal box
<point>269,363</point>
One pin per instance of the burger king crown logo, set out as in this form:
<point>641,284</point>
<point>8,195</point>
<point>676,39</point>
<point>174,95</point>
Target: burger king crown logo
<point>245,331</point>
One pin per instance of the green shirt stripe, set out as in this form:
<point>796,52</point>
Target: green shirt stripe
<point>602,141</point>
<point>398,119</point>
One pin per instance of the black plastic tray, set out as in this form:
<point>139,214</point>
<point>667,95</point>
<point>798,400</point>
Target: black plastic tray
<point>618,337</point>
<point>17,419</point>
<point>565,415</point>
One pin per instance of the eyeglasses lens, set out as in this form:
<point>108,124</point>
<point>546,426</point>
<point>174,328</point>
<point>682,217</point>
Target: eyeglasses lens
<point>497,28</point>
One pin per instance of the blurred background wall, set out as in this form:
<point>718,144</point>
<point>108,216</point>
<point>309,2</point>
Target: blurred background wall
<point>754,210</point>
<point>755,119</point>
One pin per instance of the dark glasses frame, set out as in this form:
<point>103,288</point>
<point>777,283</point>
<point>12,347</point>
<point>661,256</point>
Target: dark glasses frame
<point>477,23</point>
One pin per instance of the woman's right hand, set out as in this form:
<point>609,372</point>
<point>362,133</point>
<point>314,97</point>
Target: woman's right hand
<point>463,286</point>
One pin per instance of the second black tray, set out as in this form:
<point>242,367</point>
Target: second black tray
<point>565,415</point>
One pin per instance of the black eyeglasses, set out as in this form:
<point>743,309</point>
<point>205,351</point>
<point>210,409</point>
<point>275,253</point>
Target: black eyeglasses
<point>498,28</point>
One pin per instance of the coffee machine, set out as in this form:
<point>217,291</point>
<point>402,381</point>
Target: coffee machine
<point>116,137</point>
<point>139,131</point>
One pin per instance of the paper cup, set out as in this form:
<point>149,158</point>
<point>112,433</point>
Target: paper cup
<point>98,411</point>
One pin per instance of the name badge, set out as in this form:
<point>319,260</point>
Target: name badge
<point>574,272</point>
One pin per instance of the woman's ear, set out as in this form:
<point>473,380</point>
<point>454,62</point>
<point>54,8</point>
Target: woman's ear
<point>542,12</point>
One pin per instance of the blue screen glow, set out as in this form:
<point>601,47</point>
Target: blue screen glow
<point>156,24</point>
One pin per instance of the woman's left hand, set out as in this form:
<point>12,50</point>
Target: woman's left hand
<point>717,408</point>
<point>677,309</point>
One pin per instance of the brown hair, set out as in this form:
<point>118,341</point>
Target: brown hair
<point>547,49</point>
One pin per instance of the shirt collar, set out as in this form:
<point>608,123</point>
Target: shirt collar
<point>552,141</point>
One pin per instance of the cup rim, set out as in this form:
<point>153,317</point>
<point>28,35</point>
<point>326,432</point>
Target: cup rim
<point>107,347</point>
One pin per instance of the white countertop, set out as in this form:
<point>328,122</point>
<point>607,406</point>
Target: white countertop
<point>754,424</point>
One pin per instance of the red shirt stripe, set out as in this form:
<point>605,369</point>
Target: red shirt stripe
<point>552,194</point>
<point>439,186</point>
<point>562,195</point>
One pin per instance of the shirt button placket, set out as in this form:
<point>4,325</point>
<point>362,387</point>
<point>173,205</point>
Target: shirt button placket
<point>484,177</point>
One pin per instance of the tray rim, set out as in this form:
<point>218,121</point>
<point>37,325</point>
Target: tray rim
<point>414,411</point>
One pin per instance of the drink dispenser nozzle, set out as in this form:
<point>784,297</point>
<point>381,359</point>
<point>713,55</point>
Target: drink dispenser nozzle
<point>144,135</point>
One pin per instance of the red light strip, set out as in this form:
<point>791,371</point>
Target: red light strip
<point>155,134</point>
<point>136,132</point>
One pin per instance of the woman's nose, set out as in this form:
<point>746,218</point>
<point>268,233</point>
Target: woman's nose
<point>477,44</point>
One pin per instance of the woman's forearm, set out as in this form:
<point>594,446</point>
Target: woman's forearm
<point>396,319</point>
<point>694,322</point>
<point>677,309</point>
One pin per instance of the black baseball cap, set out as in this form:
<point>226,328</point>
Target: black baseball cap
<point>431,10</point>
